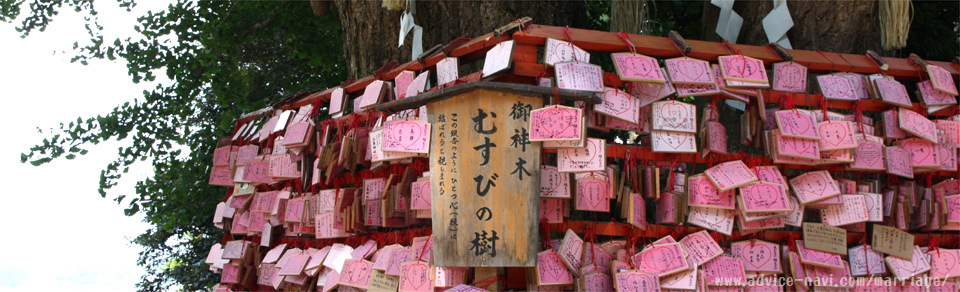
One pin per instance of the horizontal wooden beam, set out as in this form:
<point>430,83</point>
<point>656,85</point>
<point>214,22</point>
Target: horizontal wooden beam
<point>444,93</point>
<point>945,239</point>
<point>608,42</point>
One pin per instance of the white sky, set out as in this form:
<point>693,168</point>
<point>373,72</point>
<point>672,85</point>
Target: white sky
<point>59,234</point>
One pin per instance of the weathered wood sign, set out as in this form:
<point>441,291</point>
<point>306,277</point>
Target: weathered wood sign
<point>485,181</point>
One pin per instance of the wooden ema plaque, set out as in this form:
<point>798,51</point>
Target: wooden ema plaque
<point>485,175</point>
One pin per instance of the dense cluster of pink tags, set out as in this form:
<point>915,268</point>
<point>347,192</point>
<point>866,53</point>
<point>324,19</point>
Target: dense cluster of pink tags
<point>269,151</point>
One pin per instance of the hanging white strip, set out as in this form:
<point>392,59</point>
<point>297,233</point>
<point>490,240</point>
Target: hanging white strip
<point>729,22</point>
<point>417,46</point>
<point>406,25</point>
<point>777,23</point>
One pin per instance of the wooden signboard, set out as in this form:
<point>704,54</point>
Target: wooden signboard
<point>485,175</point>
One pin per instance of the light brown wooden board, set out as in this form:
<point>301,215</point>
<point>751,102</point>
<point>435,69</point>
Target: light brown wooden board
<point>514,203</point>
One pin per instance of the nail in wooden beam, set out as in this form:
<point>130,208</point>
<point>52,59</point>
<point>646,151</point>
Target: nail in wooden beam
<point>679,42</point>
<point>917,61</point>
<point>426,54</point>
<point>512,26</point>
<point>782,52</point>
<point>878,59</point>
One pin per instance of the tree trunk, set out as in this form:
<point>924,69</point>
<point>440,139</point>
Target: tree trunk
<point>837,26</point>
<point>370,32</point>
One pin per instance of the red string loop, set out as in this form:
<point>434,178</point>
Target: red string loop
<point>823,107</point>
<point>832,65</point>
<point>626,39</point>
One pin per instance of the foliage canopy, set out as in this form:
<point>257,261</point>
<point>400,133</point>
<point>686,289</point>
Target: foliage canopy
<point>220,59</point>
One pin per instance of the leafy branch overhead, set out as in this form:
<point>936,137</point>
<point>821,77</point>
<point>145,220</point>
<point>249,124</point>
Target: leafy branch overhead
<point>219,59</point>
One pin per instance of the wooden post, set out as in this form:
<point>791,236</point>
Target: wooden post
<point>485,179</point>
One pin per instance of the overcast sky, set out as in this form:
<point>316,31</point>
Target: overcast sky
<point>58,234</point>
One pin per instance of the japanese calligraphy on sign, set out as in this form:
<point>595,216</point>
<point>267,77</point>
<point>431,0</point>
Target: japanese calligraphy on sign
<point>483,166</point>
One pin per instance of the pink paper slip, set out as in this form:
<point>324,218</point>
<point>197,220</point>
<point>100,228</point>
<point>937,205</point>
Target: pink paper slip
<point>593,195</point>
<point>636,281</point>
<point>814,186</point>
<point>769,174</point>
<point>818,258</point>
<point>789,77</point>
<point>764,197</point>
<point>682,281</point>
<point>560,51</point>
<point>594,258</point>
<point>416,277</point>
<point>592,157</point>
<point>221,176</point>
<point>373,188</point>
<point>868,156</point>
<point>556,123</point>
<point>951,206</point>
<point>336,101</point>
<point>410,136</point>
<point>371,95</point>
<point>862,255</point>
<point>932,96</point>
<point>904,268</point>
<point>700,247</point>
<point>597,281</point>
<point>703,193</point>
<point>554,184</point>
<point>689,71</point>
<point>402,83</point>
<point>465,288</point>
<point>419,84</point>
<point>719,220</point>
<point>448,70</point>
<point>951,132</point>
<point>498,58</point>
<point>294,266</point>
<point>942,80</point>
<point>891,91</point>
<point>579,76</point>
<point>552,210</point>
<point>899,162</point>
<point>741,68</point>
<point>793,123</point>
<point>619,105</point>
<point>356,273</point>
<point>651,92</point>
<point>853,210</point>
<point>859,83</point>
<point>837,87</point>
<point>661,260</point>
<point>944,263</point>
<point>836,135</point>
<point>420,195</point>
<point>687,90</point>
<point>449,277</point>
<point>551,270</point>
<point>397,258</point>
<point>923,153</point>
<point>724,271</point>
<point>674,116</point>
<point>918,125</point>
<point>636,67</point>
<point>731,174</point>
<point>571,250</point>
<point>673,142</point>
<point>798,148</point>
<point>758,256</point>
<point>716,137</point>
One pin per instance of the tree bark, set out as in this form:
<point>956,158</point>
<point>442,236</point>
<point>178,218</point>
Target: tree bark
<point>370,32</point>
<point>849,26</point>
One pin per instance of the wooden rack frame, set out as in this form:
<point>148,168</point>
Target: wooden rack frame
<point>526,68</point>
